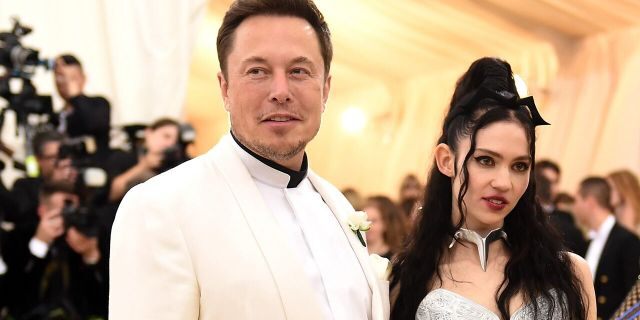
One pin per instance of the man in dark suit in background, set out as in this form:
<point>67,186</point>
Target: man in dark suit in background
<point>82,115</point>
<point>564,222</point>
<point>613,253</point>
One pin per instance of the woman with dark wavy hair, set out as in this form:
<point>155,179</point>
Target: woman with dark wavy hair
<point>482,247</point>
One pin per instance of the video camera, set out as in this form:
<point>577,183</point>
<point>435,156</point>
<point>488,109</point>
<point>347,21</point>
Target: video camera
<point>177,154</point>
<point>90,186</point>
<point>21,63</point>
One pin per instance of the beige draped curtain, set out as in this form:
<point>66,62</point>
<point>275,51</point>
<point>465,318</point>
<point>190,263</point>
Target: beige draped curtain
<point>399,62</point>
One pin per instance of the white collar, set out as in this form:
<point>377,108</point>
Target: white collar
<point>604,229</point>
<point>261,171</point>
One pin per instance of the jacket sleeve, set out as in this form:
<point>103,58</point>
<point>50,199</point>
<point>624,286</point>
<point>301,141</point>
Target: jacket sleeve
<point>630,263</point>
<point>151,273</point>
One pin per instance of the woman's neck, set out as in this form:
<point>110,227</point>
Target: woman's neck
<point>497,251</point>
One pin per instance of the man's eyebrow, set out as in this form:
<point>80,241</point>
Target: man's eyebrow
<point>302,59</point>
<point>256,59</point>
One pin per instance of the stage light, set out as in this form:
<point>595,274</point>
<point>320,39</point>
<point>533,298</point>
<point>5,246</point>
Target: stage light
<point>353,120</point>
<point>521,86</point>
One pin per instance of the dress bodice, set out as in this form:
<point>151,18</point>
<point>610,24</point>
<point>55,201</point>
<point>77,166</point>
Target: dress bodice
<point>442,304</point>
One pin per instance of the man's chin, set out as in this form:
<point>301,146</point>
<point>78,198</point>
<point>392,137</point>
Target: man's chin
<point>280,151</point>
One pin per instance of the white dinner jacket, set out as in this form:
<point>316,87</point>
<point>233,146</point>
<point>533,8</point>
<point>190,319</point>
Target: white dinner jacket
<point>198,242</point>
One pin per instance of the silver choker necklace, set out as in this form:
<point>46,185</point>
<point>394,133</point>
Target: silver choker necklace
<point>481,243</point>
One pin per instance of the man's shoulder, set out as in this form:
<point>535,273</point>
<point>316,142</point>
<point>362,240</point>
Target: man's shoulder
<point>620,232</point>
<point>27,183</point>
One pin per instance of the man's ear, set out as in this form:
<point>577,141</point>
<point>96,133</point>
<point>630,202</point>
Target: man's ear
<point>325,92</point>
<point>445,160</point>
<point>224,87</point>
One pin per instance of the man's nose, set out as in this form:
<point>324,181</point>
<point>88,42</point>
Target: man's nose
<point>280,91</point>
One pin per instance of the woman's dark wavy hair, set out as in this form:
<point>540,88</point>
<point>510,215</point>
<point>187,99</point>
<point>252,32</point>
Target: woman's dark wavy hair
<point>537,263</point>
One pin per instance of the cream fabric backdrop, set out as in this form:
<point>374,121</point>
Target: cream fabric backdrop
<point>399,63</point>
<point>136,53</point>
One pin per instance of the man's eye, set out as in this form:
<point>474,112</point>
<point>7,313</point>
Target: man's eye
<point>256,72</point>
<point>300,71</point>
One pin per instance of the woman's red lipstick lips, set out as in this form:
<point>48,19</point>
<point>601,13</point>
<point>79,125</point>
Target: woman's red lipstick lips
<point>495,203</point>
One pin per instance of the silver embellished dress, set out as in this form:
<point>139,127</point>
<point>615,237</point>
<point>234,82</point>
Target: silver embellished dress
<point>442,304</point>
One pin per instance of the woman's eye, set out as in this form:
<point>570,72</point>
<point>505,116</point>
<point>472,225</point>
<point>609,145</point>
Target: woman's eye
<point>521,166</point>
<point>485,161</point>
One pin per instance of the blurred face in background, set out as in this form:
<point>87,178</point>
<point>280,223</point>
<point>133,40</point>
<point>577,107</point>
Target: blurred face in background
<point>410,189</point>
<point>581,209</point>
<point>69,79</point>
<point>554,180</point>
<point>47,161</point>
<point>159,139</point>
<point>376,233</point>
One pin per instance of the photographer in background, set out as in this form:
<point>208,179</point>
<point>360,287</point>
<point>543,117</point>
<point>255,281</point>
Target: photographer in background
<point>53,169</point>
<point>126,169</point>
<point>82,115</point>
<point>59,269</point>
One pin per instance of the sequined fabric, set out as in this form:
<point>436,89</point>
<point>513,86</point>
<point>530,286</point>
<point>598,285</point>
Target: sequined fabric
<point>441,304</point>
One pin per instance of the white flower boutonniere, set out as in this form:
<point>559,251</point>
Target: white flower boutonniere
<point>381,266</point>
<point>358,223</point>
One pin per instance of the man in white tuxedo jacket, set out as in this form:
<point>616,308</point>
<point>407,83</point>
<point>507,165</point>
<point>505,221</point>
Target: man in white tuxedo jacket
<point>247,230</point>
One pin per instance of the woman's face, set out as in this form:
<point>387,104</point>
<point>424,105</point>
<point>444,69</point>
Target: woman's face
<point>375,234</point>
<point>498,175</point>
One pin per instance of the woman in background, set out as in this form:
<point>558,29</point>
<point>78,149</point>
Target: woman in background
<point>388,226</point>
<point>625,199</point>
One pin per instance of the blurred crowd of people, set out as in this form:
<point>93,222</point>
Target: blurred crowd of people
<point>600,222</point>
<point>56,220</point>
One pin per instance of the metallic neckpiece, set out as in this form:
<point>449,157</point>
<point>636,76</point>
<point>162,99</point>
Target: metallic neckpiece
<point>481,243</point>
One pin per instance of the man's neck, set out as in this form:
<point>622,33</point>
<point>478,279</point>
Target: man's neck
<point>294,163</point>
<point>599,217</point>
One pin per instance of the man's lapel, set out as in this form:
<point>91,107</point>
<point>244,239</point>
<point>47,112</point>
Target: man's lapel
<point>296,293</point>
<point>340,211</point>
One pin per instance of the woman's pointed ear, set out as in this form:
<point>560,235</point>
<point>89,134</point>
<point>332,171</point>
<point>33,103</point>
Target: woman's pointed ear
<point>445,160</point>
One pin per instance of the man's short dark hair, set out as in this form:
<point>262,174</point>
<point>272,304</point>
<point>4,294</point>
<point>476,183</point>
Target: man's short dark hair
<point>43,137</point>
<point>548,164</point>
<point>50,188</point>
<point>243,9</point>
<point>598,188</point>
<point>71,60</point>
<point>163,122</point>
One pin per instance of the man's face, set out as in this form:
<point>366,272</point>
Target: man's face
<point>581,208</point>
<point>554,180</point>
<point>48,158</point>
<point>69,79</point>
<point>161,138</point>
<point>275,89</point>
<point>58,200</point>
